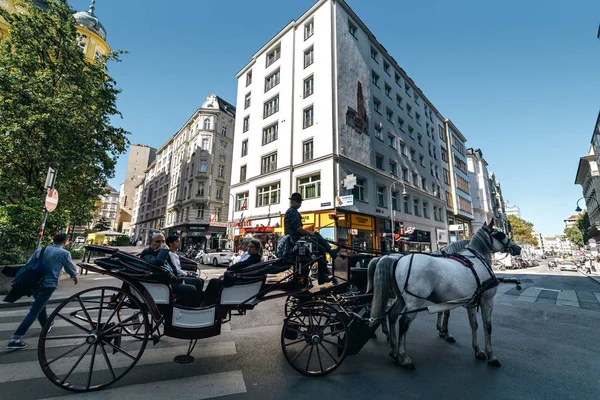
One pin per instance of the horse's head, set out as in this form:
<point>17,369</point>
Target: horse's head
<point>501,242</point>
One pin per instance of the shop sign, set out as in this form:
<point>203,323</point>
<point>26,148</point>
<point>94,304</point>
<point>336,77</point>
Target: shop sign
<point>409,230</point>
<point>259,229</point>
<point>343,201</point>
<point>354,231</point>
<point>196,228</point>
<point>456,228</point>
<point>442,235</point>
<point>308,219</point>
<point>328,204</point>
<point>220,224</point>
<point>242,224</point>
<point>361,222</point>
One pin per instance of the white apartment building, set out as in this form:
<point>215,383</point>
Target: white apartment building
<point>589,178</point>
<point>108,206</point>
<point>323,103</point>
<point>185,191</point>
<point>512,209</point>
<point>483,203</point>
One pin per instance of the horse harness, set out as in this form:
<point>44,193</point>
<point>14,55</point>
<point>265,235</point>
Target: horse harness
<point>488,284</point>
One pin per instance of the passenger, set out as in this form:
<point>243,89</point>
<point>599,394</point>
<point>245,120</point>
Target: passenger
<point>214,285</point>
<point>174,244</point>
<point>157,254</point>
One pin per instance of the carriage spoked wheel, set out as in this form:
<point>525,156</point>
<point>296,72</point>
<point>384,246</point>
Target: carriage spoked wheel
<point>99,334</point>
<point>314,338</point>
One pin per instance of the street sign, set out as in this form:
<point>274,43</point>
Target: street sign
<point>208,234</point>
<point>343,201</point>
<point>51,200</point>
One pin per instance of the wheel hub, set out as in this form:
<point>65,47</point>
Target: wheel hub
<point>92,338</point>
<point>315,339</point>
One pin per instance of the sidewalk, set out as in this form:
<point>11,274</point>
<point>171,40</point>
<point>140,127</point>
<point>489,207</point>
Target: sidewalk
<point>594,275</point>
<point>66,288</point>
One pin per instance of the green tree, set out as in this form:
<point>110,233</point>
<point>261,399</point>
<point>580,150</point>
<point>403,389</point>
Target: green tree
<point>55,110</point>
<point>573,233</point>
<point>583,224</point>
<point>102,225</point>
<point>521,231</point>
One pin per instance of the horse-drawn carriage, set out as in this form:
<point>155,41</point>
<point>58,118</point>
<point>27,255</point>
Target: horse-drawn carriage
<point>110,327</point>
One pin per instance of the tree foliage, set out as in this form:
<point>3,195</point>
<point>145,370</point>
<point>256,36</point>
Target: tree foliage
<point>102,224</point>
<point>521,231</point>
<point>573,233</point>
<point>583,224</point>
<point>55,110</point>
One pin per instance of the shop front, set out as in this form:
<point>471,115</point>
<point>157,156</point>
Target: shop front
<point>415,240</point>
<point>459,229</point>
<point>357,231</point>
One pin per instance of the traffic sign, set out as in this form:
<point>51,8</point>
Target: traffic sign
<point>208,234</point>
<point>51,200</point>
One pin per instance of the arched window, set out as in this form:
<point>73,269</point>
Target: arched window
<point>207,124</point>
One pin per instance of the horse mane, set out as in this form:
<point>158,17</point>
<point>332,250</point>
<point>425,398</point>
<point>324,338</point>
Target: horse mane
<point>452,248</point>
<point>481,246</point>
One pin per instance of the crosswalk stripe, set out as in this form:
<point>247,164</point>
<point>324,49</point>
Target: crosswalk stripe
<point>503,288</point>
<point>31,369</point>
<point>597,296</point>
<point>23,312</point>
<point>11,326</point>
<point>192,388</point>
<point>567,298</point>
<point>529,295</point>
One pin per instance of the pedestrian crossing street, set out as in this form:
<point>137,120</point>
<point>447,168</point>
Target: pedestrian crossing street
<point>21,368</point>
<point>558,297</point>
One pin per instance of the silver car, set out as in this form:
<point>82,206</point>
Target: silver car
<point>568,266</point>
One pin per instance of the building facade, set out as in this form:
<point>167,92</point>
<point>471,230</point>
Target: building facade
<point>481,190</point>
<point>512,209</point>
<point>139,158</point>
<point>587,177</point>
<point>185,191</point>
<point>107,207</point>
<point>324,110</point>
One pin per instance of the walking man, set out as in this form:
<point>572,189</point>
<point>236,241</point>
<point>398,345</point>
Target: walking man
<point>293,227</point>
<point>55,258</point>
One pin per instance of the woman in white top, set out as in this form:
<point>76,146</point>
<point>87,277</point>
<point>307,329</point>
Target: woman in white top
<point>174,244</point>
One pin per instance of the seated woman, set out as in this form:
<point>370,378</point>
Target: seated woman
<point>214,285</point>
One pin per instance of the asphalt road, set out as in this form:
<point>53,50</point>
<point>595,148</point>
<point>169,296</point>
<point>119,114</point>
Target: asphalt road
<point>546,337</point>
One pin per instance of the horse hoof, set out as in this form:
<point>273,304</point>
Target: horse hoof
<point>494,363</point>
<point>480,355</point>
<point>395,358</point>
<point>409,366</point>
<point>450,339</point>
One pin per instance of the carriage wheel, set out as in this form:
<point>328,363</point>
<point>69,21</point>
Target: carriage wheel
<point>314,338</point>
<point>91,346</point>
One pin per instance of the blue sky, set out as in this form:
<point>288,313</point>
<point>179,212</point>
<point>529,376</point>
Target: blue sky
<point>520,79</point>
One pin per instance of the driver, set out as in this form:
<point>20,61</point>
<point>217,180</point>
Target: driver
<point>157,254</point>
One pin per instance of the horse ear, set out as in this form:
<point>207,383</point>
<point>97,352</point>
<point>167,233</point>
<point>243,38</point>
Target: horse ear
<point>491,224</point>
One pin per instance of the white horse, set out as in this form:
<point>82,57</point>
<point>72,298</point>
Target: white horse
<point>421,277</point>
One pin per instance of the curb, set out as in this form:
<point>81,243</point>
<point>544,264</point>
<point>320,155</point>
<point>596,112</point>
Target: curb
<point>592,277</point>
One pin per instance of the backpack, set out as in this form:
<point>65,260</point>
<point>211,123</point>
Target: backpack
<point>285,244</point>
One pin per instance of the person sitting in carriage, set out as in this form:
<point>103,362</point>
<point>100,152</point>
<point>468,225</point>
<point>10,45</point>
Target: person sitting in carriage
<point>157,254</point>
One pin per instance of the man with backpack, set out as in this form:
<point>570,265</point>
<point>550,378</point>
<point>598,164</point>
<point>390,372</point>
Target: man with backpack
<point>52,260</point>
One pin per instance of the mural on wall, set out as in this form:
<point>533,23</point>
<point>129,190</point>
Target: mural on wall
<point>357,119</point>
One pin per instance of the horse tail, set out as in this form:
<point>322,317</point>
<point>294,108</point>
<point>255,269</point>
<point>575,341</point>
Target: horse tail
<point>371,273</point>
<point>382,286</point>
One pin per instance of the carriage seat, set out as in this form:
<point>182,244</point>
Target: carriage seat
<point>255,271</point>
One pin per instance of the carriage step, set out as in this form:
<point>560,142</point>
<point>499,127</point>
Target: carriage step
<point>155,339</point>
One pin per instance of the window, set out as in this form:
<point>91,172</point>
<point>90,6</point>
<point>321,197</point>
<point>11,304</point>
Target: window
<point>378,131</point>
<point>416,206</point>
<point>426,209</point>
<point>241,201</point>
<point>268,194</point>
<point>442,133</point>
<point>424,184</point>
<point>374,54</point>
<point>246,124</point>
<point>407,205</point>
<point>273,55</point>
<point>308,117</point>
<point>392,168</point>
<point>219,192</point>
<point>309,187</point>
<point>268,163</point>
<point>307,150</point>
<point>457,144</point>
<point>464,205</point>
<point>403,148</point>
<point>399,101</point>
<point>248,78</point>
<point>203,166</point>
<point>247,101</point>
<point>422,160</point>
<point>386,67</point>
<point>374,78</point>
<point>205,144</point>
<point>391,141</point>
<point>409,110</point>
<point>420,139</point>
<point>429,149</point>
<point>460,164</point>
<point>401,124</point>
<point>379,161</point>
<point>376,105</point>
<point>397,78</point>
<point>411,131</point>
<point>272,80</point>
<point>360,189</point>
<point>407,88</point>
<point>243,169</point>
<point>388,90</point>
<point>446,177</point>
<point>405,174</point>
<point>462,184</point>
<point>245,148</point>
<point>271,107</point>
<point>309,86</point>
<point>389,115</point>
<point>200,212</point>
<point>224,130</point>
<point>352,29</point>
<point>418,118</point>
<point>395,205</point>
<point>309,29</point>
<point>413,154</point>
<point>416,97</point>
<point>415,179</point>
<point>270,133</point>
<point>207,124</point>
<point>380,196</point>
<point>444,154</point>
<point>221,171</point>
<point>309,56</point>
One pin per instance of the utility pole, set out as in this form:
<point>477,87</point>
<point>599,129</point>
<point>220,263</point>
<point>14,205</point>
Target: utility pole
<point>49,185</point>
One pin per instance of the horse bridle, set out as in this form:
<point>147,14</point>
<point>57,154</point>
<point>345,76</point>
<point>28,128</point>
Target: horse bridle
<point>506,242</point>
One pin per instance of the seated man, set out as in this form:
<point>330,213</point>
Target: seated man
<point>157,254</point>
<point>215,284</point>
<point>173,242</point>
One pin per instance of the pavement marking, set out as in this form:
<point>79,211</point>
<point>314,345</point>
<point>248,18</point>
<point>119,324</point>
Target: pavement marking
<point>12,326</point>
<point>192,388</point>
<point>23,312</point>
<point>567,298</point>
<point>529,295</point>
<point>503,289</point>
<point>31,369</point>
<point>550,290</point>
<point>597,296</point>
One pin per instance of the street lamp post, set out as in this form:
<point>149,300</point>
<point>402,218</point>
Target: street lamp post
<point>578,209</point>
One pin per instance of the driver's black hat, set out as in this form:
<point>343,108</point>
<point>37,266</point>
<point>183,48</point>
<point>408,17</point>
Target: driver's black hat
<point>296,197</point>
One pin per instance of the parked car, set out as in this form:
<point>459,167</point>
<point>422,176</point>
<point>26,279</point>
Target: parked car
<point>568,266</point>
<point>217,257</point>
